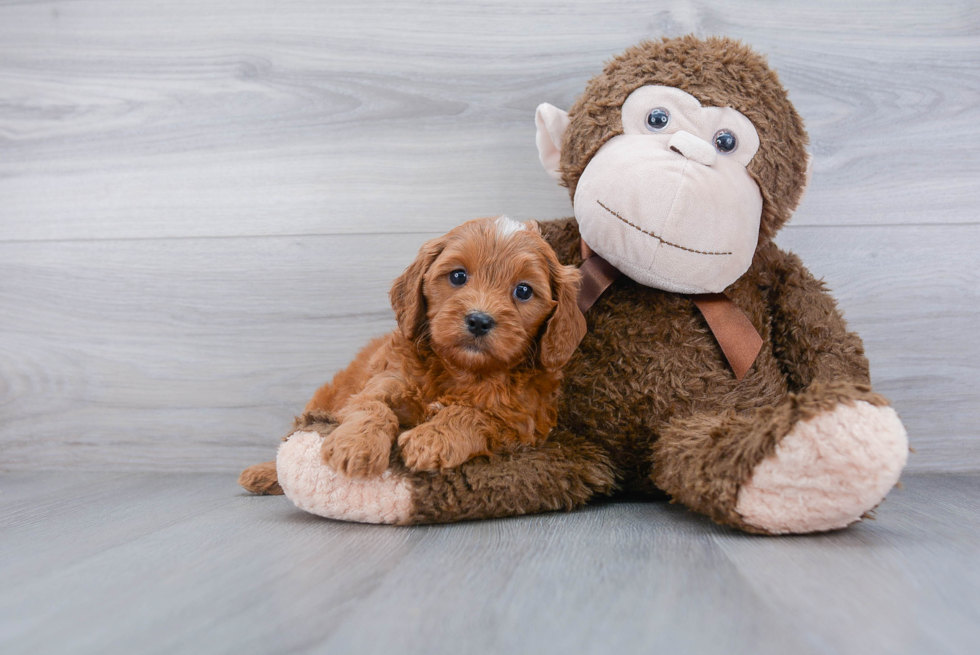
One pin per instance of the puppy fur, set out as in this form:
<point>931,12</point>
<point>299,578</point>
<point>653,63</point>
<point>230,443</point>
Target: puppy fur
<point>447,392</point>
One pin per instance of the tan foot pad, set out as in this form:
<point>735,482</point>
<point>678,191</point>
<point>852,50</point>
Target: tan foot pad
<point>316,488</point>
<point>827,472</point>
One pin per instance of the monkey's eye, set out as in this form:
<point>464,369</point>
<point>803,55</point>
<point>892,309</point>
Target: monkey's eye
<point>523,292</point>
<point>725,141</point>
<point>657,119</point>
<point>457,278</point>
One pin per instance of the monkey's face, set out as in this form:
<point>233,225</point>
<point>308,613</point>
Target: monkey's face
<point>669,201</point>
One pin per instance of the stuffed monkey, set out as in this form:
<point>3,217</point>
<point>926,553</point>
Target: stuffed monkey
<point>716,369</point>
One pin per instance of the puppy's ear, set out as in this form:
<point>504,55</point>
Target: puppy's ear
<point>406,295</point>
<point>566,327</point>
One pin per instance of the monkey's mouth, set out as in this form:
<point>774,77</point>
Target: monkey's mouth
<point>657,237</point>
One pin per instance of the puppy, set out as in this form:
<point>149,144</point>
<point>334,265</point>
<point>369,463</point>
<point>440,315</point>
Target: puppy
<point>486,318</point>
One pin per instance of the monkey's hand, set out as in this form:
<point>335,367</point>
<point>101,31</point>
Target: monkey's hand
<point>562,474</point>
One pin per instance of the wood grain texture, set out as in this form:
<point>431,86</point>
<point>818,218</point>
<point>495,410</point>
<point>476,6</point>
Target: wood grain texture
<point>226,118</point>
<point>155,563</point>
<point>202,205</point>
<point>194,354</point>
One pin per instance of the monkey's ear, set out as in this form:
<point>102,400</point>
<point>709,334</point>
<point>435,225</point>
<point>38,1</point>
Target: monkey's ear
<point>406,295</point>
<point>551,123</point>
<point>567,326</point>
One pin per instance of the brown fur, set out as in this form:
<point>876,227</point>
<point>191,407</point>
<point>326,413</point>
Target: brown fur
<point>666,413</point>
<point>706,458</point>
<point>561,474</point>
<point>719,72</point>
<point>649,390</point>
<point>648,402</point>
<point>445,394</point>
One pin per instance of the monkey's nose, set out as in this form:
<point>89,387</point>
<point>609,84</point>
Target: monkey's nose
<point>479,323</point>
<point>692,147</point>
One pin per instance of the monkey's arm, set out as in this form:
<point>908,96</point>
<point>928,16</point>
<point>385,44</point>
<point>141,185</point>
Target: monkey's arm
<point>561,474</point>
<point>809,336</point>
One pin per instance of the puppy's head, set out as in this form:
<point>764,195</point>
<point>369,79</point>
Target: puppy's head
<point>489,295</point>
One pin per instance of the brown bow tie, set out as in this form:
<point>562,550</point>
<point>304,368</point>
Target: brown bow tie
<point>734,332</point>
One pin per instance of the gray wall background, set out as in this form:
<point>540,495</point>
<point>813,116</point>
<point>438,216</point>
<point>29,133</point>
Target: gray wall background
<point>202,204</point>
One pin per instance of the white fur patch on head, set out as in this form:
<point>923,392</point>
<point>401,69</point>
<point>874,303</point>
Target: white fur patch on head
<point>508,226</point>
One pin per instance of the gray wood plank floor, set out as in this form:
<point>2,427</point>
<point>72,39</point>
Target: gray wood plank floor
<point>169,563</point>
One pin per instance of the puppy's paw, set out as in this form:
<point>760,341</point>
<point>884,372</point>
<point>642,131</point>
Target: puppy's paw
<point>355,451</point>
<point>428,448</point>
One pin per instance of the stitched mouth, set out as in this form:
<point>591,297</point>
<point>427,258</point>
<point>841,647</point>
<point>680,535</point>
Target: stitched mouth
<point>658,238</point>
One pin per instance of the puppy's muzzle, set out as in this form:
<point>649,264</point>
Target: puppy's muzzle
<point>479,323</point>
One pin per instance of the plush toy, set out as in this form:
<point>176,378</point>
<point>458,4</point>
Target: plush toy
<point>716,368</point>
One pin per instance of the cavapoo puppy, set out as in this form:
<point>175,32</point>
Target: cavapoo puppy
<point>486,318</point>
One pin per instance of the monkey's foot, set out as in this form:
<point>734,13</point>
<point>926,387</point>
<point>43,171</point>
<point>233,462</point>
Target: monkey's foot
<point>827,472</point>
<point>316,488</point>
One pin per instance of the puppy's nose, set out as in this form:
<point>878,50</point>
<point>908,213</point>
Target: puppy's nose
<point>479,323</point>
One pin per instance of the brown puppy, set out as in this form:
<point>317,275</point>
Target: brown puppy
<point>486,319</point>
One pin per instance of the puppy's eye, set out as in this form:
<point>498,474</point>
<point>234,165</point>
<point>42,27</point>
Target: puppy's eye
<point>457,278</point>
<point>523,292</point>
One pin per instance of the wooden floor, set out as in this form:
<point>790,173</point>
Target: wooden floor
<point>168,563</point>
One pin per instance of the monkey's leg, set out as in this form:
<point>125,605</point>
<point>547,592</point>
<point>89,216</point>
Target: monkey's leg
<point>563,474</point>
<point>817,461</point>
